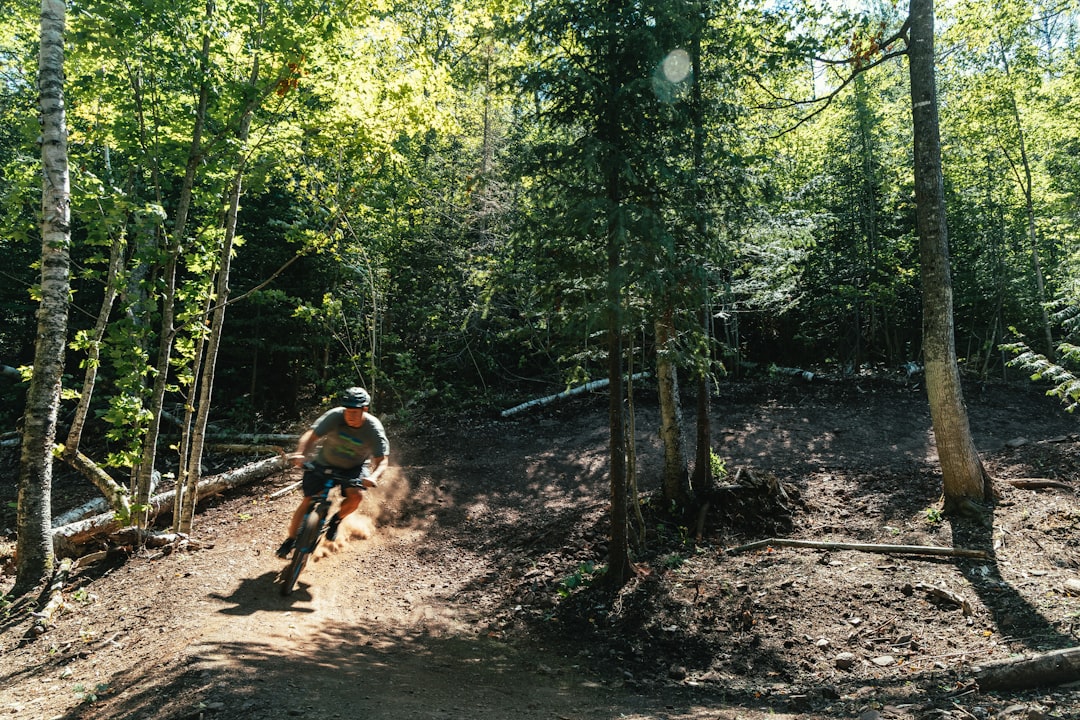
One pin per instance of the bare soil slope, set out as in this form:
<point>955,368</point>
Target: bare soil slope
<point>467,588</point>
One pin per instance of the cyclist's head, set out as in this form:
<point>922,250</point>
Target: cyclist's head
<point>354,397</point>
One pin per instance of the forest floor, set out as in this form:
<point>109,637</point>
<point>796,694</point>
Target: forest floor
<point>466,586</point>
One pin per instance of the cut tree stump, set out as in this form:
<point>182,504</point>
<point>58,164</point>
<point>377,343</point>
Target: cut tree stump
<point>1030,671</point>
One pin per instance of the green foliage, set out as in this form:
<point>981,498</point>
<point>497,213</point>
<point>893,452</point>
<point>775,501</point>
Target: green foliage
<point>20,198</point>
<point>1063,372</point>
<point>585,574</point>
<point>83,596</point>
<point>91,695</point>
<point>717,466</point>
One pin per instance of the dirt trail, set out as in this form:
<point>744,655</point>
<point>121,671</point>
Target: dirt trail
<point>385,626</point>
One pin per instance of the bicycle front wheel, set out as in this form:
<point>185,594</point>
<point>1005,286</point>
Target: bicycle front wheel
<point>305,544</point>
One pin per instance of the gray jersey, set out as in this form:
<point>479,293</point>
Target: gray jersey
<point>347,447</point>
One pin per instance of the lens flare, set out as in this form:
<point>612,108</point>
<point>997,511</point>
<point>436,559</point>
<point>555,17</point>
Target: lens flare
<point>676,66</point>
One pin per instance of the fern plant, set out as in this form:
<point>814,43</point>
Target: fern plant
<point>1062,371</point>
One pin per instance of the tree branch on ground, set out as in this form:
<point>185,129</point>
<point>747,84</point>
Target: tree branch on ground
<point>862,547</point>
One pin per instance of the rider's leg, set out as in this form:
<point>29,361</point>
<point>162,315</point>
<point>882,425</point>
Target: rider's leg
<point>351,497</point>
<point>294,527</point>
<point>298,515</point>
<point>350,501</point>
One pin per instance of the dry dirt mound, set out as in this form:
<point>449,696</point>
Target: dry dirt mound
<point>468,590</point>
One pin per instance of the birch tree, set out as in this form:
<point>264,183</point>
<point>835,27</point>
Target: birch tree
<point>34,546</point>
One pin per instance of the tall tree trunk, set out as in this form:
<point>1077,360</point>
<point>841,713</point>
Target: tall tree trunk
<point>34,546</point>
<point>702,477</point>
<point>168,304</point>
<point>965,479</point>
<point>619,570</point>
<point>618,548</point>
<point>867,268</point>
<point>189,498</point>
<point>676,477</point>
<point>635,520</point>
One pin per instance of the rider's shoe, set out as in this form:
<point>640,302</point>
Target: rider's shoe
<point>286,547</point>
<point>332,527</point>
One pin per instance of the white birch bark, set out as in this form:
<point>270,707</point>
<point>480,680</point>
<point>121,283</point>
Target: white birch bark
<point>34,549</point>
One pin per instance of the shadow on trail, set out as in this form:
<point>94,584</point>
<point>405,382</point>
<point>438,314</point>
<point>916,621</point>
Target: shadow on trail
<point>406,675</point>
<point>262,594</point>
<point>339,675</point>
<point>343,674</point>
<point>1016,618</point>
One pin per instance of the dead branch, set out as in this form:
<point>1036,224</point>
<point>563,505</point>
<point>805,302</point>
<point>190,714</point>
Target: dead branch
<point>173,541</point>
<point>115,495</point>
<point>55,599</point>
<point>1036,483</point>
<point>1030,671</point>
<point>862,547</point>
<point>286,490</point>
<point>943,594</point>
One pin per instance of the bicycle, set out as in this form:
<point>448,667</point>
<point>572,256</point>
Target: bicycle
<point>312,529</point>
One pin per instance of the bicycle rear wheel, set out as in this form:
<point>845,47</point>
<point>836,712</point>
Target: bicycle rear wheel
<point>305,544</point>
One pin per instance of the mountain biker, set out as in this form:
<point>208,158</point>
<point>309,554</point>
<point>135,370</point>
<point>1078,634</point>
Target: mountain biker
<point>349,443</point>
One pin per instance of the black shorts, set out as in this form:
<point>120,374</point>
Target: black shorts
<point>316,476</point>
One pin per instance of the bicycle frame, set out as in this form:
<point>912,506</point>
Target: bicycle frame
<point>312,527</point>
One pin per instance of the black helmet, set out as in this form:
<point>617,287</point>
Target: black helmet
<point>355,397</point>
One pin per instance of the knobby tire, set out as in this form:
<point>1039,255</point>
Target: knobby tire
<point>305,544</point>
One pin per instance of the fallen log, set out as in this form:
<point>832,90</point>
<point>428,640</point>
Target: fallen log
<point>67,539</point>
<point>89,508</point>
<point>862,547</point>
<point>587,387</point>
<point>273,439</point>
<point>96,506</point>
<point>1030,671</point>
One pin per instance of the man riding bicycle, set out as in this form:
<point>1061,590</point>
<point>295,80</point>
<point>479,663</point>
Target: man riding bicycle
<point>352,446</point>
